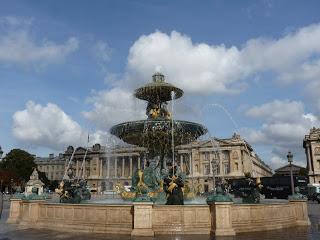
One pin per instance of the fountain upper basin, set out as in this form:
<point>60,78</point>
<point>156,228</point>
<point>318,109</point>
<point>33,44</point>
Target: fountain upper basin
<point>149,133</point>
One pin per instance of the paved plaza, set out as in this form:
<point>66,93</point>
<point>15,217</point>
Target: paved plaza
<point>13,232</point>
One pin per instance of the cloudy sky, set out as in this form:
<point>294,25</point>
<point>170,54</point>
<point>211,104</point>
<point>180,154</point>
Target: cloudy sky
<point>69,68</point>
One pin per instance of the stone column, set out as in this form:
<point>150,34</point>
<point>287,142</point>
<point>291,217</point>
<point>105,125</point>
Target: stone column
<point>221,219</point>
<point>130,173</point>
<point>144,161</point>
<point>115,167</point>
<point>101,171</point>
<point>301,212</point>
<point>181,161</point>
<point>139,162</point>
<point>210,164</point>
<point>15,209</point>
<point>191,164</point>
<point>142,219</point>
<point>108,167</point>
<point>77,168</point>
<point>84,170</point>
<point>309,159</point>
<point>122,169</point>
<point>221,166</point>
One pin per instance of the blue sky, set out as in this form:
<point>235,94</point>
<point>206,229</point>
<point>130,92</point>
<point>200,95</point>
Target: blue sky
<point>70,67</point>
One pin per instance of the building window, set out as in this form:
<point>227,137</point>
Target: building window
<point>216,167</point>
<point>206,169</point>
<point>236,166</point>
<point>215,155</point>
<point>206,156</point>
<point>196,168</point>
<point>225,155</point>
<point>226,168</point>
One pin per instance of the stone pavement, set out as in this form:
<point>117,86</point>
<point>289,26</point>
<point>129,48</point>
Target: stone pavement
<point>13,232</point>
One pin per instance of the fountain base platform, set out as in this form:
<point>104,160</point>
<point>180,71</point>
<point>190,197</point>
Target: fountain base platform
<point>141,218</point>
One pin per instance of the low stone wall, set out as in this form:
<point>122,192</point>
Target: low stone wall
<point>146,219</point>
<point>73,217</point>
<point>228,218</point>
<point>253,217</point>
<point>186,219</point>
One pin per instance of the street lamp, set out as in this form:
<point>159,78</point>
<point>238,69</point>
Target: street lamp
<point>290,157</point>
<point>1,152</point>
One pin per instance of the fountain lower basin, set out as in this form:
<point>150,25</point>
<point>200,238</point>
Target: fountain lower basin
<point>151,133</point>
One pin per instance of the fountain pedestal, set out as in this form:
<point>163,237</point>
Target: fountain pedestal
<point>301,211</point>
<point>221,219</point>
<point>142,214</point>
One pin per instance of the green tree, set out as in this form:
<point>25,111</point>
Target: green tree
<point>43,178</point>
<point>20,162</point>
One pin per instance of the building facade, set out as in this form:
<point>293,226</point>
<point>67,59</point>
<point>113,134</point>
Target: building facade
<point>311,144</point>
<point>203,162</point>
<point>52,166</point>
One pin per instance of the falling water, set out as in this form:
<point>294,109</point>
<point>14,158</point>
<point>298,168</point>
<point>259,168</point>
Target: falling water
<point>225,111</point>
<point>172,128</point>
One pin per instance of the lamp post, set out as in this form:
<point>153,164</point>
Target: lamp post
<point>290,157</point>
<point>1,152</point>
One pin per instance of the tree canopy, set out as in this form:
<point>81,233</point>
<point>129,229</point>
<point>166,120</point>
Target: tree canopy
<point>19,162</point>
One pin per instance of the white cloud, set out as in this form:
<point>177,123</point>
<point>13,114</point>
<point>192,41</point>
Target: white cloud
<point>114,106</point>
<point>312,91</point>
<point>194,67</point>
<point>12,21</point>
<point>277,162</point>
<point>204,68</point>
<point>277,110</point>
<point>19,46</point>
<point>101,51</point>
<point>49,126</point>
<point>284,126</point>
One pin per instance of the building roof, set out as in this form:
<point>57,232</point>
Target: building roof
<point>286,168</point>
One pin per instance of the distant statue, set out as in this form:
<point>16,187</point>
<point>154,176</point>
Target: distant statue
<point>297,195</point>
<point>157,110</point>
<point>173,185</point>
<point>252,192</point>
<point>72,190</point>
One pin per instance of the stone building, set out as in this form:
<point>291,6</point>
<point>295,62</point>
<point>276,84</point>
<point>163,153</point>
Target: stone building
<point>311,144</point>
<point>52,166</point>
<point>285,170</point>
<point>200,160</point>
<point>223,158</point>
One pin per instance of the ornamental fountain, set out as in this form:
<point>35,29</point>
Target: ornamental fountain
<point>158,134</point>
<point>160,180</point>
